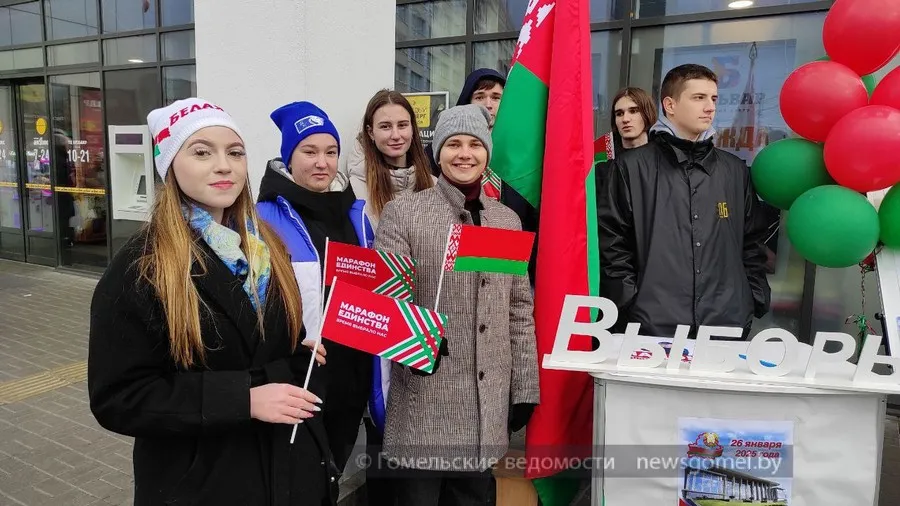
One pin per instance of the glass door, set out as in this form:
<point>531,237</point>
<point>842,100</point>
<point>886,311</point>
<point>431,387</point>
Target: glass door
<point>34,164</point>
<point>76,104</point>
<point>12,238</point>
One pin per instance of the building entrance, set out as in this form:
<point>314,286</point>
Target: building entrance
<point>27,218</point>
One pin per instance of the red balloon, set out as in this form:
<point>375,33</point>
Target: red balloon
<point>861,150</point>
<point>818,94</point>
<point>888,90</point>
<point>862,34</point>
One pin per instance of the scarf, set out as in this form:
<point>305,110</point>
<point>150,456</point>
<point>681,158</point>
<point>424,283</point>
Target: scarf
<point>226,244</point>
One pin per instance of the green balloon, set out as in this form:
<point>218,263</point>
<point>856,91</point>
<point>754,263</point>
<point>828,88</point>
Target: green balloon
<point>868,80</point>
<point>833,226</point>
<point>889,218</point>
<point>870,83</point>
<point>788,168</point>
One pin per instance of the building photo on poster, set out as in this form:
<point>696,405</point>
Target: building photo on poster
<point>428,107</point>
<point>735,461</point>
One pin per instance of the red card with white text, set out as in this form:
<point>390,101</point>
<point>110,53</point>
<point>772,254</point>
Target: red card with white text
<point>377,271</point>
<point>383,326</point>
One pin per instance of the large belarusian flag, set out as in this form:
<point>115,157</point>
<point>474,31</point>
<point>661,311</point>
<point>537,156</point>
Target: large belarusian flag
<point>484,249</point>
<point>543,149</point>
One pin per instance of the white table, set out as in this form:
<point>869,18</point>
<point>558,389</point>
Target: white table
<point>837,433</point>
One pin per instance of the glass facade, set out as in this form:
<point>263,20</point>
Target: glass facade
<point>752,46</point>
<point>72,72</point>
<point>20,24</point>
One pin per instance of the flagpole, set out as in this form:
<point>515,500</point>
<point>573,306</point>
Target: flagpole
<point>314,353</point>
<point>324,270</point>
<point>437,296</point>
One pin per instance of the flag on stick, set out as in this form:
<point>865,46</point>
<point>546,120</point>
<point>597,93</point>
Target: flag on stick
<point>490,184</point>
<point>604,148</point>
<point>383,326</point>
<point>472,248</point>
<point>377,271</point>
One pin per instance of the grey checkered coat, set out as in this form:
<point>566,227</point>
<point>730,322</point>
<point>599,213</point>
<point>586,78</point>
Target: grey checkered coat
<point>461,410</point>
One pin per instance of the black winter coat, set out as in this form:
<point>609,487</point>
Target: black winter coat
<point>195,443</point>
<point>679,242</point>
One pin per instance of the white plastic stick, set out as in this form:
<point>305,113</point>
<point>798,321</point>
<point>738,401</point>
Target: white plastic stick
<point>437,296</point>
<point>324,269</point>
<point>312,361</point>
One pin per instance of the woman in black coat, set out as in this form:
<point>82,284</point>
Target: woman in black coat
<point>195,341</point>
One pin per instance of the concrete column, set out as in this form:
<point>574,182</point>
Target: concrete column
<point>254,56</point>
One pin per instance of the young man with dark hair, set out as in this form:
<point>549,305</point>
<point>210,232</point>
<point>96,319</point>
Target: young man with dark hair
<point>679,242</point>
<point>482,86</point>
<point>633,115</point>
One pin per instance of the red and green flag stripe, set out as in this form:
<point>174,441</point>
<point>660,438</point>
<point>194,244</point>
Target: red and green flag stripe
<point>484,249</point>
<point>604,148</point>
<point>519,131</point>
<point>161,136</point>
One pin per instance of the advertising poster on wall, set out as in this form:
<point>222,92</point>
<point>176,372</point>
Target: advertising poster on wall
<point>91,127</point>
<point>735,461</point>
<point>750,75</point>
<point>428,107</point>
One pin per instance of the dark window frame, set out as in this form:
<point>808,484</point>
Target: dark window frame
<point>627,26</point>
<point>46,73</point>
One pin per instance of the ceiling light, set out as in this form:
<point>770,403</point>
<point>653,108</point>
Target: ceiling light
<point>135,60</point>
<point>740,4</point>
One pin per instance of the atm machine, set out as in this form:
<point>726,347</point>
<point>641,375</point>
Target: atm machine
<point>131,171</point>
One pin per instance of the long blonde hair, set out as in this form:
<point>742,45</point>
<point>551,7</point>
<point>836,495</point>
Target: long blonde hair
<point>171,250</point>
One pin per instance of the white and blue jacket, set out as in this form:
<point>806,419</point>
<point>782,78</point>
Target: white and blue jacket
<point>287,223</point>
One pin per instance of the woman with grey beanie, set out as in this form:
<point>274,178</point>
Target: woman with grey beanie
<point>446,429</point>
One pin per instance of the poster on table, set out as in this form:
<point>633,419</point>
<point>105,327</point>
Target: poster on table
<point>748,115</point>
<point>735,461</point>
<point>428,107</point>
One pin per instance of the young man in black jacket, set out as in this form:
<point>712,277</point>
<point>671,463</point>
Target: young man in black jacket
<point>679,242</point>
<point>633,115</point>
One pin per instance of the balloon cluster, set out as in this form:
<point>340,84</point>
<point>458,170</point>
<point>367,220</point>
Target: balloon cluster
<point>849,142</point>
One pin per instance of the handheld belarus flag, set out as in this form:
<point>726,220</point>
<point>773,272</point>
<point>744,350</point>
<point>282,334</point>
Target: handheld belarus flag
<point>490,184</point>
<point>377,271</point>
<point>383,326</point>
<point>483,249</point>
<point>604,148</point>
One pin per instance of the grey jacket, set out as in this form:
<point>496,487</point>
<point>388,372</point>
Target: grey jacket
<point>461,410</point>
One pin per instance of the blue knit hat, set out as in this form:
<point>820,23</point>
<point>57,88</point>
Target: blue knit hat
<point>297,121</point>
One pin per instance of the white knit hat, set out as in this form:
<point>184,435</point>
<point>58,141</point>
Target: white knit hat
<point>172,125</point>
